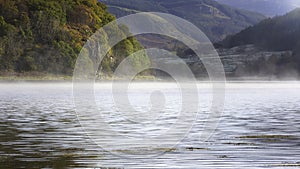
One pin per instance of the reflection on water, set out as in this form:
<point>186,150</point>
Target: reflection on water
<point>259,128</point>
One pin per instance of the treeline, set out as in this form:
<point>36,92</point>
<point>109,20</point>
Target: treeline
<point>47,35</point>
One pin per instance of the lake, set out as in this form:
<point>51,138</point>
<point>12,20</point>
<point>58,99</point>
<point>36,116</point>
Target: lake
<point>259,128</point>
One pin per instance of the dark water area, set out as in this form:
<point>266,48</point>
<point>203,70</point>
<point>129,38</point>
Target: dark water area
<point>260,128</point>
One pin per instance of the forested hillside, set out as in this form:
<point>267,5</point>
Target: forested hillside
<point>278,33</point>
<point>47,35</point>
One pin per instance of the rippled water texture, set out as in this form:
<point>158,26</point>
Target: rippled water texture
<point>260,128</point>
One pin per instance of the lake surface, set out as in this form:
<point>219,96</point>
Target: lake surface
<point>259,128</point>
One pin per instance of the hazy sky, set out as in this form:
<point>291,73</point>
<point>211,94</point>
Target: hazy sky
<point>266,7</point>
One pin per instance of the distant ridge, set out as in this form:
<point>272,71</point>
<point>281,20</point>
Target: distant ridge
<point>278,33</point>
<point>216,20</point>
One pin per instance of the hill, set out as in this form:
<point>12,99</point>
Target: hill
<point>45,36</point>
<point>266,7</point>
<point>272,35</point>
<point>216,20</point>
<point>278,33</point>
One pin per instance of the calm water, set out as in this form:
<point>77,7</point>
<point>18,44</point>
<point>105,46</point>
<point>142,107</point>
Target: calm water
<point>260,128</point>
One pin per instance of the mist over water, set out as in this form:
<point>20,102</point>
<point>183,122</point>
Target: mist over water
<point>259,127</point>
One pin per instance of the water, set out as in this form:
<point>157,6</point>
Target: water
<point>260,128</point>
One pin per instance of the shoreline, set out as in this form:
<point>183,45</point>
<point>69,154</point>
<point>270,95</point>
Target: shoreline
<point>70,80</point>
<point>58,78</point>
